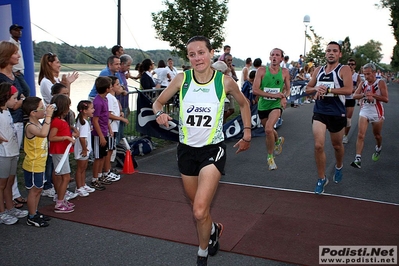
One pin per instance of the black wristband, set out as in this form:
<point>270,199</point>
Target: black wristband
<point>159,113</point>
<point>245,140</point>
<point>247,127</point>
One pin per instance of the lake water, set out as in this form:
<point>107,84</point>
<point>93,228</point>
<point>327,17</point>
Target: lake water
<point>81,88</point>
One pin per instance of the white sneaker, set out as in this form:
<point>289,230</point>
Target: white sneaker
<point>112,177</point>
<point>345,139</point>
<point>88,189</point>
<point>18,213</point>
<point>70,195</point>
<point>49,192</point>
<point>307,101</point>
<point>272,164</point>
<point>7,219</point>
<point>81,192</point>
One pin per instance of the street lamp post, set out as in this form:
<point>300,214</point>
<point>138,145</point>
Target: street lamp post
<point>306,21</point>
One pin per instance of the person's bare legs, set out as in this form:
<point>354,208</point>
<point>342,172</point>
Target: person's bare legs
<point>377,128</point>
<point>201,190</point>
<point>349,114</point>
<point>271,133</point>
<point>336,141</point>
<point>33,199</point>
<point>362,129</point>
<point>319,134</point>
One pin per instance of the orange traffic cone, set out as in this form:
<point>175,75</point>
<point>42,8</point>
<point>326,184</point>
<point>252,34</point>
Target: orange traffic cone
<point>128,167</point>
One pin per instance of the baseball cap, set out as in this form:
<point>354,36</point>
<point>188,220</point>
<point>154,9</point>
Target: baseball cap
<point>15,26</point>
<point>220,65</point>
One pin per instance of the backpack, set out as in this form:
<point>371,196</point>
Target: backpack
<point>138,146</point>
<point>141,146</point>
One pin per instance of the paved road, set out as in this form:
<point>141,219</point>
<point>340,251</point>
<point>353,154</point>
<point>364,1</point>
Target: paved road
<point>68,243</point>
<point>296,165</point>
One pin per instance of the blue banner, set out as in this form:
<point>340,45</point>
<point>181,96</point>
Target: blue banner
<point>146,124</point>
<point>298,89</point>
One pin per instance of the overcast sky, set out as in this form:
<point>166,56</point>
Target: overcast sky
<point>253,27</point>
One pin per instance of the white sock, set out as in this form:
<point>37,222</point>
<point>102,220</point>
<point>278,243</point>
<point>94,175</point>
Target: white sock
<point>202,252</point>
<point>94,179</point>
<point>378,148</point>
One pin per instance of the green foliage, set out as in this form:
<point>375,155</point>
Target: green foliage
<point>91,55</point>
<point>369,52</point>
<point>317,52</point>
<point>393,6</point>
<point>184,19</point>
<point>346,51</point>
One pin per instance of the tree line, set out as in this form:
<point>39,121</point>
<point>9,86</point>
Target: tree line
<point>68,54</point>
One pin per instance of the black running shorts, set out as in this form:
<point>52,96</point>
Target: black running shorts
<point>265,113</point>
<point>334,124</point>
<point>191,159</point>
<point>350,103</point>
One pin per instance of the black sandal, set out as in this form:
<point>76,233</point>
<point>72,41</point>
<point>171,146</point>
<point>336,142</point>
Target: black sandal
<point>20,200</point>
<point>17,204</point>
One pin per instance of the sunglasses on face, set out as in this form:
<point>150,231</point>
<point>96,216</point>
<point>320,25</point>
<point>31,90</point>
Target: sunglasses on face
<point>351,64</point>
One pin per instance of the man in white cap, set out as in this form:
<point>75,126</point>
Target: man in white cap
<point>18,69</point>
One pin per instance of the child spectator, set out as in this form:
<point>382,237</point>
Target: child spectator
<point>115,117</point>
<point>9,153</point>
<point>101,129</point>
<point>60,136</point>
<point>48,189</point>
<point>82,147</point>
<point>36,149</point>
<point>247,88</point>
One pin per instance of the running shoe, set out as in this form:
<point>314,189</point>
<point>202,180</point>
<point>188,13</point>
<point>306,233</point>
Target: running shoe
<point>337,175</point>
<point>49,192</point>
<point>202,261</point>
<point>376,155</point>
<point>116,171</point>
<point>271,163</point>
<point>213,246</point>
<point>112,177</point>
<point>88,189</point>
<point>278,148</point>
<point>345,139</point>
<point>81,192</point>
<point>69,204</point>
<point>97,185</point>
<point>104,181</point>
<point>17,213</point>
<point>357,163</point>
<point>321,183</point>
<point>44,217</point>
<point>70,195</point>
<point>7,219</point>
<point>36,221</point>
<point>62,208</point>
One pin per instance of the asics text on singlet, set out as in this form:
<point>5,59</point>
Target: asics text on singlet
<point>201,110</point>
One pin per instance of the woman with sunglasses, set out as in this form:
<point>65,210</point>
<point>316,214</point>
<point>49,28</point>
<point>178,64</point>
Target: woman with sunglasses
<point>50,67</point>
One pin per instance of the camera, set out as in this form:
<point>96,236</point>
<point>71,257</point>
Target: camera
<point>54,106</point>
